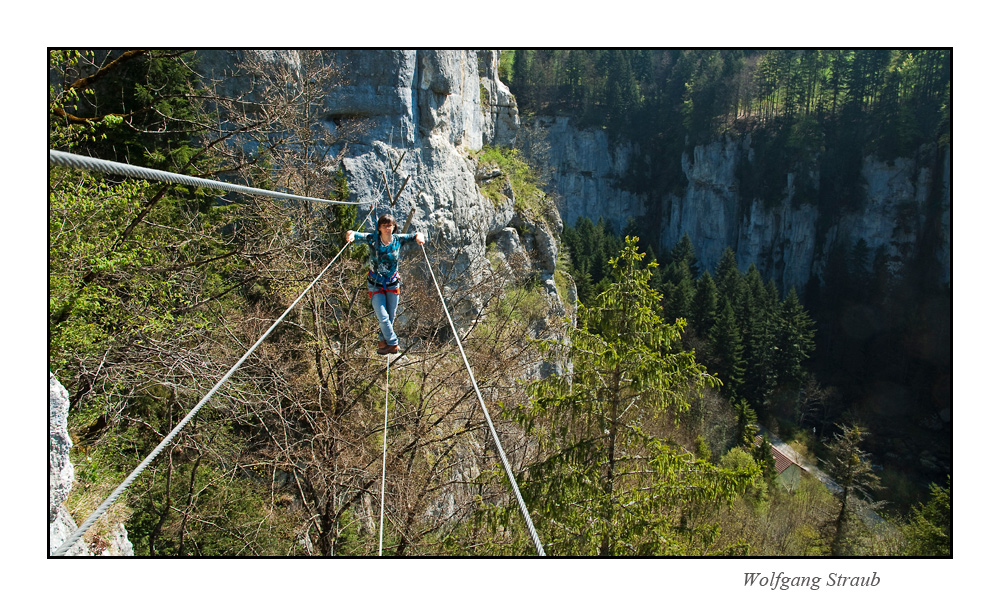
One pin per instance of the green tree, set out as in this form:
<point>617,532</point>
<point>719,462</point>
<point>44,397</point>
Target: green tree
<point>851,468</point>
<point>794,341</point>
<point>678,280</point>
<point>621,94</point>
<point>757,331</point>
<point>683,253</point>
<point>678,298</point>
<point>729,280</point>
<point>156,289</point>
<point>927,532</point>
<point>606,484</point>
<point>521,72</point>
<point>140,276</point>
<point>765,458</point>
<point>746,423</point>
<point>705,304</point>
<point>726,352</point>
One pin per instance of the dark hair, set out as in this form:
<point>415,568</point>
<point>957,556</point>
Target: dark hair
<point>387,219</point>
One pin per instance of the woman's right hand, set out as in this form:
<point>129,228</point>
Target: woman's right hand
<point>350,236</point>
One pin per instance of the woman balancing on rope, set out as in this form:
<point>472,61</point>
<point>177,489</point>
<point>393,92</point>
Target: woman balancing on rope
<point>383,275</point>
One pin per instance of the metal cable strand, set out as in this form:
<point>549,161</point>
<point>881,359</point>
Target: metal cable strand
<point>156,451</point>
<point>385,434</point>
<point>106,166</point>
<point>489,422</point>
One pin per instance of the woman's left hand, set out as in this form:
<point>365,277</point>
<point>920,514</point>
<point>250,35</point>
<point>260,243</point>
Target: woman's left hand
<point>420,238</point>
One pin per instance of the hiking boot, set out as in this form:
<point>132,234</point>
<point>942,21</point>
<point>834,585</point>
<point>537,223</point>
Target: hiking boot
<point>391,349</point>
<point>381,344</point>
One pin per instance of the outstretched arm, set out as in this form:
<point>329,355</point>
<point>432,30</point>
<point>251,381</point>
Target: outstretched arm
<point>356,236</point>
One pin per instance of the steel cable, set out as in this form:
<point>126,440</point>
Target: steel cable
<point>385,435</point>
<point>107,166</point>
<point>60,157</point>
<point>489,421</point>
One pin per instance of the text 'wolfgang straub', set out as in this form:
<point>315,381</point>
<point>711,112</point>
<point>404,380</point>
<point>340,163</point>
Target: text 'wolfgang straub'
<point>779,580</point>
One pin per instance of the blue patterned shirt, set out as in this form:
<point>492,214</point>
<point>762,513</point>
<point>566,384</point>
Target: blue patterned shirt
<point>383,259</point>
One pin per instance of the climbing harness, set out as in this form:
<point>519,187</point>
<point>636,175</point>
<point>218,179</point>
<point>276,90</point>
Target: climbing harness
<point>385,290</point>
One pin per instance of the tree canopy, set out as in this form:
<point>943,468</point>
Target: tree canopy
<point>605,483</point>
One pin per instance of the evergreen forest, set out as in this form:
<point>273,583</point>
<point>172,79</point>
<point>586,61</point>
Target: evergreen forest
<point>870,327</point>
<point>649,439</point>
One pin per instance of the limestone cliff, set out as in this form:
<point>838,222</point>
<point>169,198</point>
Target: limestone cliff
<point>61,478</point>
<point>426,114</point>
<point>786,242</point>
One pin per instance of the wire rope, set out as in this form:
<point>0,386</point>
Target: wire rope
<point>489,421</point>
<point>103,507</point>
<point>107,166</point>
<point>385,433</point>
<point>86,163</point>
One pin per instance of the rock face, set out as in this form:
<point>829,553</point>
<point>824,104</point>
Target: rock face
<point>784,241</point>
<point>443,106</point>
<point>61,523</point>
<point>427,112</point>
<point>581,169</point>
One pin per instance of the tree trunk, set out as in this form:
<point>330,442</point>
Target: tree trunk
<point>839,546</point>
<point>607,549</point>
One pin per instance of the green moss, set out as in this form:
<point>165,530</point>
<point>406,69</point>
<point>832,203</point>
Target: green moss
<point>484,96</point>
<point>524,180</point>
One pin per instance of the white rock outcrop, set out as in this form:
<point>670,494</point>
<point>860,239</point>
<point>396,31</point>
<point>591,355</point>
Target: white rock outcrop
<point>427,113</point>
<point>61,523</point>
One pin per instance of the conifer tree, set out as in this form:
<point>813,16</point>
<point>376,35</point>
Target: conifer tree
<point>705,304</point>
<point>729,280</point>
<point>726,352</point>
<point>678,293</point>
<point>606,484</point>
<point>851,468</point>
<point>757,332</point>
<point>794,341</point>
<point>683,252</point>
<point>928,529</point>
<point>746,423</point>
<point>763,455</point>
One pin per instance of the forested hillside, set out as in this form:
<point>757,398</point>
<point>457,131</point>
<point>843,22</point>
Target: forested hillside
<point>630,419</point>
<point>825,107</point>
<point>881,349</point>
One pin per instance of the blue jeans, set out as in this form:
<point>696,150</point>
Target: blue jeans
<point>385,312</point>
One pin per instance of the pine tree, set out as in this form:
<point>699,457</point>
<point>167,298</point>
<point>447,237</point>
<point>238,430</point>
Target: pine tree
<point>705,304</point>
<point>746,423</point>
<point>684,253</point>
<point>928,529</point>
<point>757,331</point>
<point>606,484</point>
<point>763,455</point>
<point>794,341</point>
<point>851,468</point>
<point>726,352</point>
<point>520,83</point>
<point>678,291</point>
<point>729,280</point>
